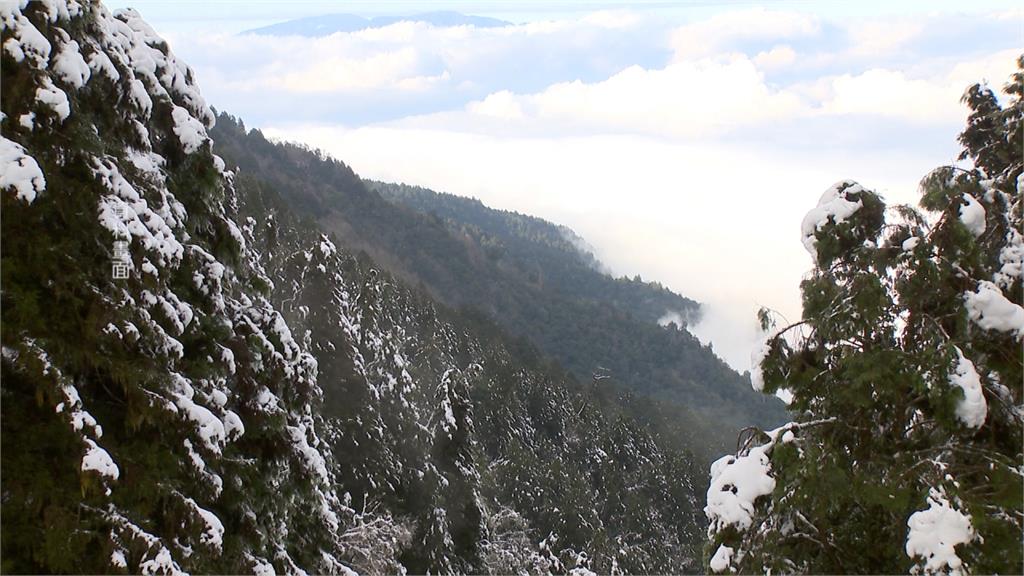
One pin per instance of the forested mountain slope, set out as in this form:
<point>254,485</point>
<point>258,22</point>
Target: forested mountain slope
<point>551,257</point>
<point>530,289</point>
<point>250,397</point>
<point>452,417</point>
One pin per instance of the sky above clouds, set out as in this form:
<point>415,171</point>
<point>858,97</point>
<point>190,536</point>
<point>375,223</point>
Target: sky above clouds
<point>684,140</point>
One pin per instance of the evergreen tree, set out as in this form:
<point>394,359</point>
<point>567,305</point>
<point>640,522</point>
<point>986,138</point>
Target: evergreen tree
<point>253,398</point>
<point>163,421</point>
<point>453,527</point>
<point>906,380</point>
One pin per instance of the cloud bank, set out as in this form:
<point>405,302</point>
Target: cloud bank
<point>684,148</point>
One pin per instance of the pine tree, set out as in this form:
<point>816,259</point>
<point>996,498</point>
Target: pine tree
<point>171,415</point>
<point>453,526</point>
<point>906,378</point>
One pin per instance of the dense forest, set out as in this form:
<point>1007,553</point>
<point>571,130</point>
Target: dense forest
<point>548,256</point>
<point>222,354</point>
<point>528,276</point>
<point>253,397</point>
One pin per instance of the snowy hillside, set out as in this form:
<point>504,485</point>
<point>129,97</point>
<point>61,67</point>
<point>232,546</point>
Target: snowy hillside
<point>197,380</point>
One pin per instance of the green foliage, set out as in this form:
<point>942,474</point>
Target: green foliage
<point>116,393</point>
<point>906,382</point>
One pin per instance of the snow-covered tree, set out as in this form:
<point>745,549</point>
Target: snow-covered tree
<point>906,380</point>
<point>162,418</point>
<point>453,525</point>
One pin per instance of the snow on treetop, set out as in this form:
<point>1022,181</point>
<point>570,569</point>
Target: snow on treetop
<point>972,409</point>
<point>720,561</point>
<point>972,215</point>
<point>757,356</point>
<point>162,72</point>
<point>935,533</point>
<point>68,64</point>
<point>19,171</point>
<point>736,482</point>
<point>54,98</point>
<point>213,535</point>
<point>189,130</point>
<point>988,308</point>
<point>24,41</point>
<point>97,459</point>
<point>834,205</point>
<point>1011,258</point>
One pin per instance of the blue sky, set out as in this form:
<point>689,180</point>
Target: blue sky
<point>684,140</point>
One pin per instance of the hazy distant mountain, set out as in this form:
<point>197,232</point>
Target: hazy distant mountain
<point>331,23</point>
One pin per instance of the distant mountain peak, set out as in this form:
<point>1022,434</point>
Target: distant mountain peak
<point>327,24</point>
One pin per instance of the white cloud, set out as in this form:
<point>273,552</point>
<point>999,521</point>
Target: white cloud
<point>879,37</point>
<point>398,69</point>
<point>777,57</point>
<point>890,93</point>
<point>994,69</point>
<point>388,58</point>
<point>710,36</point>
<point>405,56</point>
<point>503,104</point>
<point>686,99</point>
<point>713,97</point>
<point>612,19</point>
<point>693,167</point>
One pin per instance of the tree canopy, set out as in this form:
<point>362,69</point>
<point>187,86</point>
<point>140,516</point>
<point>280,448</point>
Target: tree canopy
<point>906,380</point>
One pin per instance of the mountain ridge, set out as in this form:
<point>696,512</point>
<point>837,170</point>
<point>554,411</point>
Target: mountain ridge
<point>524,240</point>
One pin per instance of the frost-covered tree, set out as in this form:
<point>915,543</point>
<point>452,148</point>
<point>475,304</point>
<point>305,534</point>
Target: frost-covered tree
<point>906,380</point>
<point>453,526</point>
<point>254,398</point>
<point>165,419</point>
